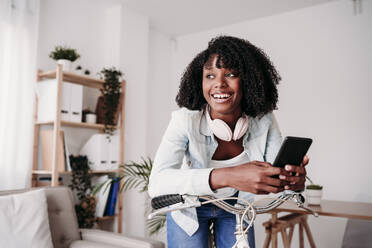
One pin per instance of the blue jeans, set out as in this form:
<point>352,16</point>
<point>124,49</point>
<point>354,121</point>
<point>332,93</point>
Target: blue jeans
<point>224,228</point>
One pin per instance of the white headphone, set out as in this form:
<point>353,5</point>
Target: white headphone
<point>223,131</point>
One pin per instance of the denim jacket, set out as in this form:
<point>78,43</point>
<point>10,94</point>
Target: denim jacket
<point>181,164</point>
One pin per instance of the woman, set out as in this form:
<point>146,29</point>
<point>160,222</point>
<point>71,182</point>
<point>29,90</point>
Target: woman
<point>222,140</point>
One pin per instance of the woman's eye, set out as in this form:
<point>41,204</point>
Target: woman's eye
<point>230,74</point>
<point>209,76</point>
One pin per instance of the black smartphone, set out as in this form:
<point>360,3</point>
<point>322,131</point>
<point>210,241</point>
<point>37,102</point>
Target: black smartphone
<point>292,151</point>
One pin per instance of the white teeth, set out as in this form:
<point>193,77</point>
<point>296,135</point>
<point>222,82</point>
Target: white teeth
<point>221,96</point>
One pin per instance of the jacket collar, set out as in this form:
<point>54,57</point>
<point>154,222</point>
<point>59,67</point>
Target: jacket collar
<point>204,127</point>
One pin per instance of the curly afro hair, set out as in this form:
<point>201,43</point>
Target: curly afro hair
<point>258,75</point>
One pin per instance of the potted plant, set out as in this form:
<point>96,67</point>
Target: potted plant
<point>64,56</point>
<point>107,109</point>
<point>81,184</point>
<point>314,193</point>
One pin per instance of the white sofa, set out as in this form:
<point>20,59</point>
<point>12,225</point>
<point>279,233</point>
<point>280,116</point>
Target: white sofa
<point>64,227</point>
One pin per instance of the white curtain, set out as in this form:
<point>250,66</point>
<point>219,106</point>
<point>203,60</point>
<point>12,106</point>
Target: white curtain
<point>18,48</point>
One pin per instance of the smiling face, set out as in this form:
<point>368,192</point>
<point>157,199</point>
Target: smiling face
<point>222,91</point>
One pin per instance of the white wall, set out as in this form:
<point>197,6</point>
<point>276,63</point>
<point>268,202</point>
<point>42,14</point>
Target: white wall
<point>134,54</point>
<point>323,55</point>
<point>159,90</point>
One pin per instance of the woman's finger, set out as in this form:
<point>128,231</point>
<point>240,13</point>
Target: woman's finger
<point>262,164</point>
<point>268,188</point>
<point>293,179</point>
<point>305,160</point>
<point>295,169</point>
<point>295,187</point>
<point>274,182</point>
<point>261,192</point>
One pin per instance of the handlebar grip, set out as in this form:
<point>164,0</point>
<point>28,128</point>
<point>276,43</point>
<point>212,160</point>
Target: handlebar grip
<point>165,200</point>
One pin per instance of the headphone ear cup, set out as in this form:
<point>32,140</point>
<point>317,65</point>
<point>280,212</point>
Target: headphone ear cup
<point>221,130</point>
<point>241,127</point>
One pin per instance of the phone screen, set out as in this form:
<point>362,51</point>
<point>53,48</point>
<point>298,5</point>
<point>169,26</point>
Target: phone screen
<point>292,151</point>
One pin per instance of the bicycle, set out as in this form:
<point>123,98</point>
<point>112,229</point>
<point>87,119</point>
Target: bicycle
<point>244,212</point>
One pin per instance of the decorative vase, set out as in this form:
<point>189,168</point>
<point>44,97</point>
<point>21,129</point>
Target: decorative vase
<point>66,64</point>
<point>91,118</point>
<point>314,196</point>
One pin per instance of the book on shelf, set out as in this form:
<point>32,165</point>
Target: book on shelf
<point>46,181</point>
<point>46,138</point>
<point>113,197</point>
<point>103,194</point>
<point>66,154</point>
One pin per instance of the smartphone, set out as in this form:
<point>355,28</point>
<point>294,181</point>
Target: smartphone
<point>292,151</point>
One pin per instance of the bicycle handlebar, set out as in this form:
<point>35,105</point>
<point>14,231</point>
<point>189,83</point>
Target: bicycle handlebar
<point>167,203</point>
<point>166,200</point>
<point>244,213</point>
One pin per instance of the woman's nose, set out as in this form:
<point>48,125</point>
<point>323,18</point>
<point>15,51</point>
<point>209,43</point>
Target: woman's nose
<point>219,81</point>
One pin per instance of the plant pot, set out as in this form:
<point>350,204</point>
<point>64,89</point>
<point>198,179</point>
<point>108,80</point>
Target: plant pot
<point>90,118</point>
<point>100,110</point>
<point>66,64</point>
<point>314,196</point>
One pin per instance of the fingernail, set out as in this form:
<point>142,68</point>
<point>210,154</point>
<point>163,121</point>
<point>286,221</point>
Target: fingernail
<point>287,167</point>
<point>281,177</point>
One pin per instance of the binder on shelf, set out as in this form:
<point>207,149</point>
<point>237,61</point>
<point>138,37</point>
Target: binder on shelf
<point>76,103</point>
<point>66,99</point>
<point>113,152</point>
<point>102,152</point>
<point>71,104</point>
<point>103,194</point>
<point>96,151</point>
<point>46,138</point>
<point>113,197</point>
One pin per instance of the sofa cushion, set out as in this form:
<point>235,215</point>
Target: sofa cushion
<point>90,244</point>
<point>24,220</point>
<point>62,216</point>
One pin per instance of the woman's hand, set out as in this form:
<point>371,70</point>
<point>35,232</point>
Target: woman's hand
<point>254,177</point>
<point>295,175</point>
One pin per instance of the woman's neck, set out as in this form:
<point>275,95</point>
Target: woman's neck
<point>229,118</point>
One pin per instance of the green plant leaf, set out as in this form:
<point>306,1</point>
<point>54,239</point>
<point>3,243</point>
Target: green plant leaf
<point>314,186</point>
<point>155,224</point>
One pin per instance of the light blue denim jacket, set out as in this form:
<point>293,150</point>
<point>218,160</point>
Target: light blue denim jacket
<point>181,164</point>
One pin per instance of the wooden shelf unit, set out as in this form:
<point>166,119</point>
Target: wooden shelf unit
<point>100,127</point>
<point>106,218</point>
<point>61,76</point>
<point>74,78</point>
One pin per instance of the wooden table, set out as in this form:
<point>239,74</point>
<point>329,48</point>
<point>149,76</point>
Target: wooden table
<point>355,210</point>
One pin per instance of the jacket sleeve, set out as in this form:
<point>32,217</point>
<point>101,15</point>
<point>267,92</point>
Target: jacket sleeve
<point>167,176</point>
<point>273,141</point>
